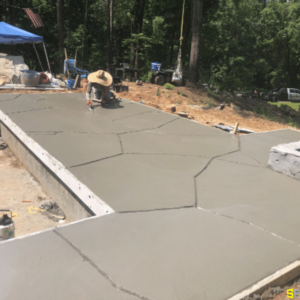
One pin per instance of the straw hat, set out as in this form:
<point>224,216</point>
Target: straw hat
<point>101,77</point>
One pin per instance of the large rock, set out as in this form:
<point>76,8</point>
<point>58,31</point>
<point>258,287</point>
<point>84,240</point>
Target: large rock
<point>10,67</point>
<point>285,159</point>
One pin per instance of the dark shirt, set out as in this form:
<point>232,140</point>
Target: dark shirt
<point>98,88</point>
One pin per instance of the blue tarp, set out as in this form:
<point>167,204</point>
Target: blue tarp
<point>13,35</point>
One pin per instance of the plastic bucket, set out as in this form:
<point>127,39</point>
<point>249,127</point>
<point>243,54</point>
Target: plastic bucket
<point>70,83</point>
<point>30,78</point>
<point>7,225</point>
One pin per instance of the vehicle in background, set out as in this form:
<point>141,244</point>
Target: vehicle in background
<point>160,77</point>
<point>283,94</point>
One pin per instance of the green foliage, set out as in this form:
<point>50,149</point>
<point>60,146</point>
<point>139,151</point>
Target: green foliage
<point>243,43</point>
<point>261,110</point>
<point>169,86</point>
<point>211,93</point>
<point>146,77</point>
<point>295,106</point>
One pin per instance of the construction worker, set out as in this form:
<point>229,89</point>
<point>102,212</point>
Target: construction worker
<point>100,81</point>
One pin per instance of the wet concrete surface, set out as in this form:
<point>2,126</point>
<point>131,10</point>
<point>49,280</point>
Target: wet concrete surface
<point>195,206</point>
<point>180,254</point>
<point>44,266</point>
<point>70,150</point>
<point>143,182</point>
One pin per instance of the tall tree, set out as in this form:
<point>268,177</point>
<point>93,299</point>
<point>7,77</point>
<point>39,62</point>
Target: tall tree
<point>84,30</point>
<point>60,23</point>
<point>197,17</point>
<point>139,8</point>
<point>110,19</point>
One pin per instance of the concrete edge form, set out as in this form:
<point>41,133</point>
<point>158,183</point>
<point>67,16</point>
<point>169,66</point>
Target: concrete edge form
<point>57,181</point>
<point>279,278</point>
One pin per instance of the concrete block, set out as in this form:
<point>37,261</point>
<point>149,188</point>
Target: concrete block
<point>285,159</point>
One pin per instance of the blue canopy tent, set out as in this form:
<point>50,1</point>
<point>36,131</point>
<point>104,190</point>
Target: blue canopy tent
<point>12,35</point>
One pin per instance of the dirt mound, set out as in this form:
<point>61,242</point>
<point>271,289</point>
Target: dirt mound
<point>251,114</point>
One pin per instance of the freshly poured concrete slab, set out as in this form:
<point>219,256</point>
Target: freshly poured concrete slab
<point>284,134</point>
<point>143,182</point>
<point>66,120</point>
<point>180,254</point>
<point>121,110</point>
<point>70,102</point>
<point>21,105</point>
<point>258,195</point>
<point>34,97</point>
<point>5,97</point>
<point>156,143</point>
<point>78,148</point>
<point>148,120</point>
<point>258,145</point>
<point>186,127</point>
<point>46,267</point>
<point>241,158</point>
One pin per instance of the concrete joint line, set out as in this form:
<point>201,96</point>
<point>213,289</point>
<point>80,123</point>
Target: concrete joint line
<point>249,223</point>
<point>11,99</point>
<point>121,144</point>
<point>252,157</point>
<point>93,161</point>
<point>168,122</point>
<point>158,209</point>
<point>145,112</point>
<point>207,165</point>
<point>279,278</point>
<point>165,112</point>
<point>98,206</point>
<point>24,111</point>
<point>40,99</point>
<point>237,163</point>
<point>101,272</point>
<point>162,154</point>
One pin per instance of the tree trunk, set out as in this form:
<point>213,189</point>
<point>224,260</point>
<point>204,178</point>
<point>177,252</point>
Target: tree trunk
<point>60,23</point>
<point>12,13</point>
<point>197,16</point>
<point>85,19</point>
<point>137,29</point>
<point>109,19</point>
<point>172,49</point>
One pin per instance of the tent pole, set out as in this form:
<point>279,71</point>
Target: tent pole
<point>47,58</point>
<point>38,56</point>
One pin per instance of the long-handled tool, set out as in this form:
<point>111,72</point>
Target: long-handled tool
<point>177,74</point>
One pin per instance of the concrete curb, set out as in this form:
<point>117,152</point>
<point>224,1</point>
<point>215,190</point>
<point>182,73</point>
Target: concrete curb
<point>95,204</point>
<point>279,278</point>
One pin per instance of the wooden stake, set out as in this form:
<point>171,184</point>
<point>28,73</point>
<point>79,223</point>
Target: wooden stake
<point>76,82</point>
<point>66,61</point>
<point>75,61</point>
<point>235,128</point>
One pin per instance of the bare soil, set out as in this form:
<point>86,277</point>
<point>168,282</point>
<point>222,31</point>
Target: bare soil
<point>18,191</point>
<point>184,98</point>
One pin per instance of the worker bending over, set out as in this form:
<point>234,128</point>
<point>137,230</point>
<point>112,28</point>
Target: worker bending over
<point>100,81</point>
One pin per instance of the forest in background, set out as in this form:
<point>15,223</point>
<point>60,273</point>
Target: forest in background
<point>231,44</point>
